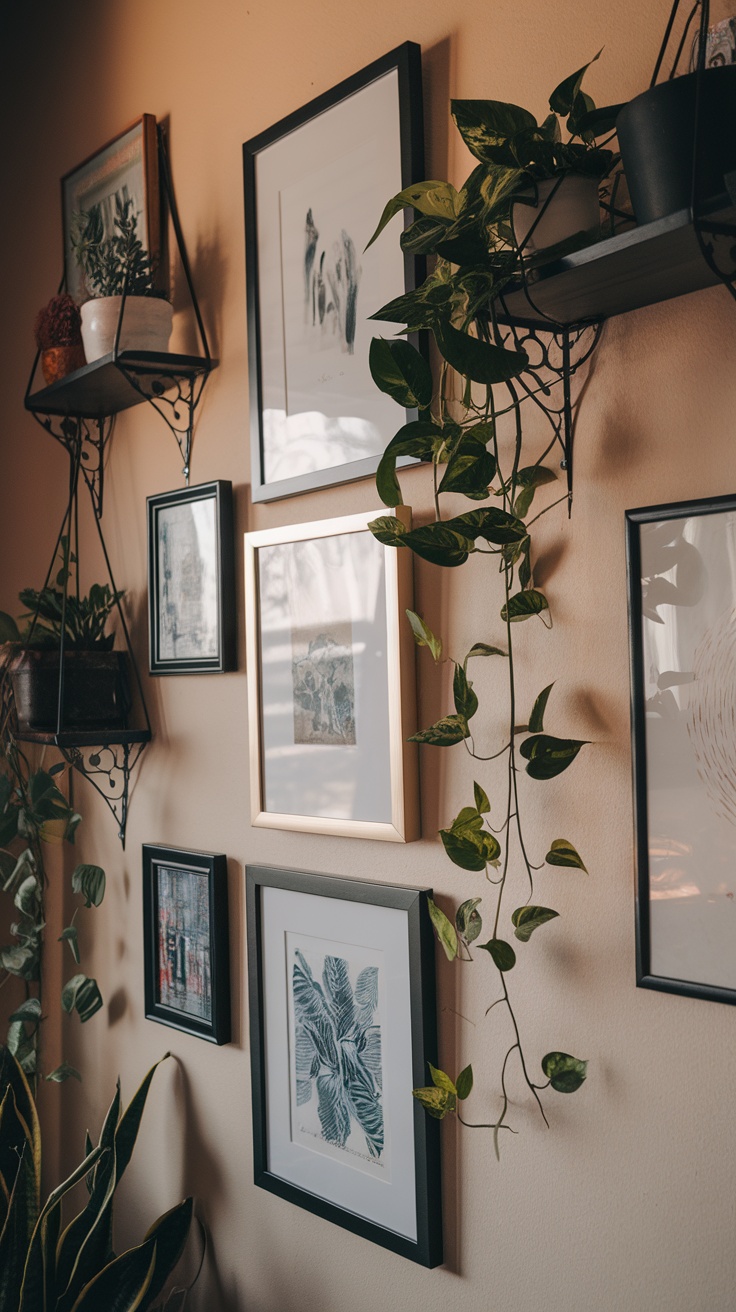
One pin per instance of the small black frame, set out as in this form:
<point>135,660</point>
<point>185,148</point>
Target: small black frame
<point>212,867</point>
<point>635,520</point>
<point>224,656</point>
<point>406,59</point>
<point>422,1043</point>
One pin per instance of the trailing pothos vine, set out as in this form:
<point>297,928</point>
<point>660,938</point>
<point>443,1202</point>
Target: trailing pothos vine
<point>470,234</point>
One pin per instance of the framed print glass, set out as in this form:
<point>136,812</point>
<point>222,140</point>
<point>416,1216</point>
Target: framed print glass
<point>315,187</point>
<point>682,582</point>
<point>185,936</point>
<point>331,694</point>
<point>191,580</point>
<point>127,168</point>
<point>342,1021</point>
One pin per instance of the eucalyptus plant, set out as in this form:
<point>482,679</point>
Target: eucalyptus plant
<point>460,433</point>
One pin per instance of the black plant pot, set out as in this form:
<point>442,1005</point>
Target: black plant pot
<point>96,690</point>
<point>656,132</point>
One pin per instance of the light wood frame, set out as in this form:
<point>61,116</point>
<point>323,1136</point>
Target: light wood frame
<point>402,754</point>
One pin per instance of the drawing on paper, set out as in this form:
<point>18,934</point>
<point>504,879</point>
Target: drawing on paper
<point>187,581</point>
<point>331,280</point>
<point>184,941</point>
<point>323,676</point>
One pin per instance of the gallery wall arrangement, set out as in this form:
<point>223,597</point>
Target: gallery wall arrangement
<point>409,340</point>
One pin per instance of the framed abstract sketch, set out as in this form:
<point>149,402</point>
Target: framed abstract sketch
<point>185,933</point>
<point>191,580</point>
<point>127,169</point>
<point>315,187</point>
<point>331,681</point>
<point>682,580</point>
<point>342,1024</point>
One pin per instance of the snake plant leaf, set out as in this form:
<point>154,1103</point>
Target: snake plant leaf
<point>417,439</point>
<point>441,1080</point>
<point>468,919</point>
<point>565,1073</point>
<point>430,198</point>
<point>124,1285</point>
<point>466,701</point>
<point>423,635</point>
<point>90,881</point>
<point>437,1102</point>
<point>547,756</point>
<point>444,929</point>
<point>481,799</point>
<point>502,953</point>
<point>562,853</point>
<point>536,719</point>
<point>472,358</point>
<point>20,1175</point>
<point>39,1277</point>
<point>465,1083</point>
<point>81,994</point>
<point>527,919</point>
<point>446,732</point>
<point>563,97</point>
<point>523,605</point>
<point>401,372</point>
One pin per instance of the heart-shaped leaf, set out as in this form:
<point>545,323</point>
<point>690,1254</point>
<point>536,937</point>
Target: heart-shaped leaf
<point>565,1073</point>
<point>502,953</point>
<point>446,732</point>
<point>468,919</point>
<point>527,919</point>
<point>423,635</point>
<point>401,372</point>
<point>523,605</point>
<point>465,1082</point>
<point>562,853</point>
<point>444,930</point>
<point>547,756</point>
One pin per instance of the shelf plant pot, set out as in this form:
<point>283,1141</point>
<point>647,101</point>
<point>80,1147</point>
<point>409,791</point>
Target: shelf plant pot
<point>146,325</point>
<point>96,689</point>
<point>656,133</point>
<point>573,208</point>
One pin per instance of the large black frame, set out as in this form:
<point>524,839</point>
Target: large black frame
<point>634,519</point>
<point>220,492</point>
<point>214,866</point>
<point>413,902</point>
<point>407,60</point>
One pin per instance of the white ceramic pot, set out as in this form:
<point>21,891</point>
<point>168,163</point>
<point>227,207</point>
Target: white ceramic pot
<point>573,208</point>
<point>146,325</point>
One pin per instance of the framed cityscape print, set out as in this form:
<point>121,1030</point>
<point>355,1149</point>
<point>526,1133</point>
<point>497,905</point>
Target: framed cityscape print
<point>316,184</point>
<point>331,693</point>
<point>185,936</point>
<point>125,169</point>
<point>342,1024</point>
<point>682,581</point>
<point>191,580</point>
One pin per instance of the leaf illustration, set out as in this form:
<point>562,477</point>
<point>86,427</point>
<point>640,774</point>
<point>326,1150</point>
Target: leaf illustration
<point>334,1112</point>
<point>339,993</point>
<point>364,1099</point>
<point>372,1056</point>
<point>366,995</point>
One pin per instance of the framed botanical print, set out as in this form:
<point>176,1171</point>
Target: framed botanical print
<point>331,691</point>
<point>342,1024</point>
<point>315,186</point>
<point>185,933</point>
<point>682,606</point>
<point>126,168</point>
<point>191,580</point>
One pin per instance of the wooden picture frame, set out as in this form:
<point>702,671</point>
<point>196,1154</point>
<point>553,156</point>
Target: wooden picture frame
<point>186,941</point>
<point>191,580</point>
<point>127,166</point>
<point>331,688</point>
<point>682,625</point>
<point>315,187</point>
<point>371,1166</point>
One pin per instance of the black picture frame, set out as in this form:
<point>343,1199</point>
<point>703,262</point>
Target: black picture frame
<point>406,61</point>
<point>158,863</point>
<point>414,998</point>
<point>217,622</point>
<point>666,710</point>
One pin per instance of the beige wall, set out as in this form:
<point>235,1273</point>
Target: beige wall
<point>627,1203</point>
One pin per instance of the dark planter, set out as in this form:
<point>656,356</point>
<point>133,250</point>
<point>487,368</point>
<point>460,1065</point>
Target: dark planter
<point>656,133</point>
<point>96,690</point>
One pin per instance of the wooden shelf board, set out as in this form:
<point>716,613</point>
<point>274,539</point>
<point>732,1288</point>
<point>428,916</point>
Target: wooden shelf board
<point>102,388</point>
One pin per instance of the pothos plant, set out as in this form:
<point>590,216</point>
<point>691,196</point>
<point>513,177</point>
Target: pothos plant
<point>470,235</point>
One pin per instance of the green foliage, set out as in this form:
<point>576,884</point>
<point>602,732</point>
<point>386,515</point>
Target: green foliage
<point>526,919</point>
<point>83,618</point>
<point>565,1073</point>
<point>104,260</point>
<point>562,853</point>
<point>75,1268</point>
<point>443,1095</point>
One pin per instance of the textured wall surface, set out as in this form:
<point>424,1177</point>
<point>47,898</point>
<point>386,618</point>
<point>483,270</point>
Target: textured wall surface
<point>627,1202</point>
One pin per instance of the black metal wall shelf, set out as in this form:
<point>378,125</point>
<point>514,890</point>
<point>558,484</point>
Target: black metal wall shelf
<point>84,737</point>
<point>645,265</point>
<point>112,384</point>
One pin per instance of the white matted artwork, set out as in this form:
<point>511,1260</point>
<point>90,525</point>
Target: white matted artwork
<point>682,563</point>
<point>331,690</point>
<point>341,986</point>
<point>315,185</point>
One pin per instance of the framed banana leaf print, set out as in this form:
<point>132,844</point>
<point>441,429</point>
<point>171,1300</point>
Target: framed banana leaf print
<point>343,1023</point>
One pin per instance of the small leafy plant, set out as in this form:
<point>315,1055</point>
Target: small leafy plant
<point>107,261</point>
<point>58,324</point>
<point>85,618</point>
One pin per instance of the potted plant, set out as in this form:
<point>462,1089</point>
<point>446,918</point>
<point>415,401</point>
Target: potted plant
<point>116,265</point>
<point>96,688</point>
<point>59,338</point>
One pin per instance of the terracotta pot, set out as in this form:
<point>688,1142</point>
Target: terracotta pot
<point>573,208</point>
<point>146,325</point>
<point>58,361</point>
<point>96,689</point>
